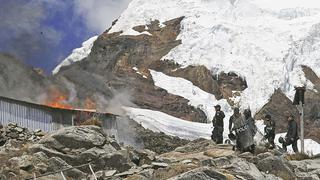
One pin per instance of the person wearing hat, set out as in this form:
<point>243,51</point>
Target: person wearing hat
<point>292,134</point>
<point>270,131</point>
<point>217,133</point>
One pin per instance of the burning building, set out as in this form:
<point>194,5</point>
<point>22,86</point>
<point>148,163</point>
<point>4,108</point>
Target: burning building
<point>49,117</point>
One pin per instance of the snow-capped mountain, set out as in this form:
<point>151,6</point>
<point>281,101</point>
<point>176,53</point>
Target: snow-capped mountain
<point>253,38</point>
<point>164,45</point>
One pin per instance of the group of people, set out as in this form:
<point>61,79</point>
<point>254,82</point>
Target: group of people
<point>242,129</point>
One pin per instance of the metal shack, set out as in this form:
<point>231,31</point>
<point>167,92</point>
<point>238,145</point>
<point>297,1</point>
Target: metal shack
<point>36,116</point>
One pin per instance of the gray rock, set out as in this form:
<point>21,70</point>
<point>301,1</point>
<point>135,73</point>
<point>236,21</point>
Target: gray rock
<point>222,161</point>
<point>99,174</point>
<point>147,173</point>
<point>124,174</point>
<point>208,162</point>
<point>93,154</point>
<point>270,176</point>
<point>80,136</point>
<point>42,168</point>
<point>145,156</point>
<point>146,166</point>
<point>277,166</point>
<point>11,175</point>
<point>264,155</point>
<point>57,164</point>
<point>244,169</point>
<point>110,173</point>
<point>3,177</point>
<point>306,165</point>
<point>202,173</point>
<point>19,129</point>
<point>157,165</point>
<point>117,161</point>
<point>24,162</point>
<point>70,159</point>
<point>40,157</point>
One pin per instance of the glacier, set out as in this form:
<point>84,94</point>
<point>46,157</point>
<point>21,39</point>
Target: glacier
<point>257,39</point>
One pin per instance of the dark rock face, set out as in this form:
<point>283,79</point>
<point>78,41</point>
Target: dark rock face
<point>201,77</point>
<point>108,69</point>
<point>229,82</point>
<point>278,104</point>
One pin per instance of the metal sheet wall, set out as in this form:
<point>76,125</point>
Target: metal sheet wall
<point>25,116</point>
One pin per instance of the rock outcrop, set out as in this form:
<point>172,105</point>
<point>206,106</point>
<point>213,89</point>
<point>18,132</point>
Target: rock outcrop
<point>72,149</point>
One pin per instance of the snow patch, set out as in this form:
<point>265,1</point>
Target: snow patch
<point>196,96</point>
<point>161,122</point>
<point>77,54</point>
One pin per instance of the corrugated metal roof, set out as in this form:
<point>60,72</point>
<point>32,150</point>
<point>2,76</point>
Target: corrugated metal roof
<point>58,108</point>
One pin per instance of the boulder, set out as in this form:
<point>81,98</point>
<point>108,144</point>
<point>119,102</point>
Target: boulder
<point>76,137</point>
<point>244,169</point>
<point>277,166</point>
<point>116,161</point>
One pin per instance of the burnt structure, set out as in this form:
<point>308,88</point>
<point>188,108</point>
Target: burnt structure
<point>36,116</point>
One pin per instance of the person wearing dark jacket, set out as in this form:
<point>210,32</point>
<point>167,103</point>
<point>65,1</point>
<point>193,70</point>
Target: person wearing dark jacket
<point>292,134</point>
<point>217,133</point>
<point>270,131</point>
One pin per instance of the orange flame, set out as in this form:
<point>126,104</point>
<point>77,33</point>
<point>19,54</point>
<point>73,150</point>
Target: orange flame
<point>55,98</point>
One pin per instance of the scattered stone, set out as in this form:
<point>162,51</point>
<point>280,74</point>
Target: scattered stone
<point>110,173</point>
<point>157,165</point>
<point>186,161</point>
<point>146,166</point>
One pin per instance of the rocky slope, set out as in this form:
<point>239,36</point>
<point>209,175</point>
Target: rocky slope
<point>212,45</point>
<point>249,66</point>
<point>200,159</point>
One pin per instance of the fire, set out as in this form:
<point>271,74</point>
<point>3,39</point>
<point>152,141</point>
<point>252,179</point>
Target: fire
<point>55,98</point>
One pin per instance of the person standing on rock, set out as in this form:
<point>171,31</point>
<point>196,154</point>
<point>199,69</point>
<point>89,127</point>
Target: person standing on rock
<point>270,131</point>
<point>217,133</point>
<point>292,134</point>
<point>244,138</point>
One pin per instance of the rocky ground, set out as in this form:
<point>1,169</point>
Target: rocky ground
<point>83,145</point>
